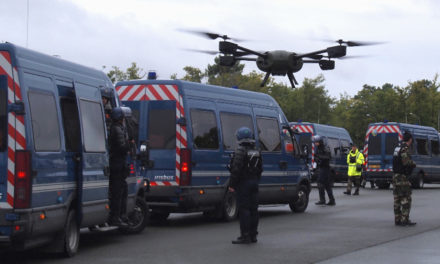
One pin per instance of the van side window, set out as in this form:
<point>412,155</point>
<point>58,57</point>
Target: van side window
<point>3,112</point>
<point>345,146</point>
<point>435,148</point>
<point>268,134</point>
<point>422,146</point>
<point>72,133</point>
<point>374,143</point>
<point>335,149</point>
<point>93,126</point>
<point>230,123</point>
<point>204,129</point>
<point>391,142</point>
<point>45,126</point>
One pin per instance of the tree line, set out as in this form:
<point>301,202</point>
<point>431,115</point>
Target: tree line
<point>416,103</point>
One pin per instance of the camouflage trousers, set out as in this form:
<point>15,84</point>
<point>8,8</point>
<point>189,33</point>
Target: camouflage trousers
<point>356,180</point>
<point>402,198</point>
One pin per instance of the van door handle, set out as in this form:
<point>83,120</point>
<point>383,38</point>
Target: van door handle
<point>283,165</point>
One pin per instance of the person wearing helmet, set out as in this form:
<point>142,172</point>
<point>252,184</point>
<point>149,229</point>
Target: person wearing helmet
<point>246,166</point>
<point>403,166</point>
<point>322,159</point>
<point>119,146</point>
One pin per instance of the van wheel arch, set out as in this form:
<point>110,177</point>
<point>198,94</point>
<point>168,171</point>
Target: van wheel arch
<point>419,181</point>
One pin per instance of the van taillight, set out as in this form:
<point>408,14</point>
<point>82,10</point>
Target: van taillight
<point>185,167</point>
<point>22,194</point>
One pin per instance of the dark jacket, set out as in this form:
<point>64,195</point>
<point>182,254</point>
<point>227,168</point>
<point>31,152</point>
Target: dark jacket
<point>118,141</point>
<point>322,156</point>
<point>246,163</point>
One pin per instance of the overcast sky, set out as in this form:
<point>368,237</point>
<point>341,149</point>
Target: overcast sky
<point>114,32</point>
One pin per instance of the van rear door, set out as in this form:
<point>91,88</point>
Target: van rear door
<point>3,138</point>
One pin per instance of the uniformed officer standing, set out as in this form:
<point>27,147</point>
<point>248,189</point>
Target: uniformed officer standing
<point>402,168</point>
<point>246,167</point>
<point>355,160</point>
<point>119,147</point>
<point>322,159</point>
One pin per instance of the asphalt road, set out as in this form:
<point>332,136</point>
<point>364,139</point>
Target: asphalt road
<point>359,229</point>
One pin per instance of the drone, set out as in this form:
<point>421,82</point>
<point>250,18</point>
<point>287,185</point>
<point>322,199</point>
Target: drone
<point>278,62</point>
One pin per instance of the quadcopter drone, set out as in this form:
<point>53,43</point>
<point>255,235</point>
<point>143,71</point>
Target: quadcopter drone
<point>278,62</point>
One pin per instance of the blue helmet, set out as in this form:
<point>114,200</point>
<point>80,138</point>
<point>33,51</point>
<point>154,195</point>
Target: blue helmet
<point>244,133</point>
<point>117,113</point>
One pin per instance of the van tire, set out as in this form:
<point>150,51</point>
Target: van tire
<point>229,207</point>
<point>71,235</point>
<point>418,181</point>
<point>301,201</point>
<point>138,218</point>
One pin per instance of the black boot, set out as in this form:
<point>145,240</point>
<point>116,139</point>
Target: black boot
<point>331,202</point>
<point>320,202</point>
<point>356,192</point>
<point>347,192</point>
<point>244,239</point>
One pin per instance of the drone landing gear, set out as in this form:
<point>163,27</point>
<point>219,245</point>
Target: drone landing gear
<point>292,79</point>
<point>265,79</point>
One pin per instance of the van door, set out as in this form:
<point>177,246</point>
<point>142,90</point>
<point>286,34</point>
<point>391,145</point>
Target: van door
<point>435,158</point>
<point>3,137</point>
<point>92,179</point>
<point>423,157</point>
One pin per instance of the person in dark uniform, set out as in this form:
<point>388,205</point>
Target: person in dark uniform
<point>246,167</point>
<point>119,147</point>
<point>402,168</point>
<point>322,159</point>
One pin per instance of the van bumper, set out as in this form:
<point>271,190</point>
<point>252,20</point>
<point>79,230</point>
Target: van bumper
<point>178,199</point>
<point>379,176</point>
<point>14,228</point>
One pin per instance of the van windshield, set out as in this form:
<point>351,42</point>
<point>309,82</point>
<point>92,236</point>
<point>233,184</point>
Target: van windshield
<point>374,143</point>
<point>3,112</point>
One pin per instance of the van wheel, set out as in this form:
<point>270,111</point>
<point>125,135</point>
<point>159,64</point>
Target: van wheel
<point>418,182</point>
<point>300,203</point>
<point>138,218</point>
<point>230,207</point>
<point>71,235</point>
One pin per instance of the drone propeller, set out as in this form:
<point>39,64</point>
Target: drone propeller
<point>210,52</point>
<point>351,43</point>
<point>210,35</point>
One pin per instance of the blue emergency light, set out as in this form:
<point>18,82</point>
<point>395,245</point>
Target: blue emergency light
<point>152,75</point>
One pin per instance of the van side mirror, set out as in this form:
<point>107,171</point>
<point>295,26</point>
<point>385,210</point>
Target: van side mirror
<point>181,121</point>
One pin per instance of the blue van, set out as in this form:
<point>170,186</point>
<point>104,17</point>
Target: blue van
<point>53,151</point>
<point>190,132</point>
<point>338,140</point>
<point>382,138</point>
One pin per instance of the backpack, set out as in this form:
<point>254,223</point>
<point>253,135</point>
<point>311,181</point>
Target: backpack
<point>253,162</point>
<point>397,161</point>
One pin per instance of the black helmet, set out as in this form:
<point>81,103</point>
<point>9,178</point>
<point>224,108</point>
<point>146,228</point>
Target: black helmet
<point>117,113</point>
<point>317,138</point>
<point>407,136</point>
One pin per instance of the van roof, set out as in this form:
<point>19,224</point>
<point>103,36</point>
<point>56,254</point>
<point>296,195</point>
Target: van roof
<point>198,90</point>
<point>403,126</point>
<point>26,58</point>
<point>325,130</point>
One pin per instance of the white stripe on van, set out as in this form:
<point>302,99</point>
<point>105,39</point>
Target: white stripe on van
<point>4,205</point>
<point>38,188</point>
<point>4,63</point>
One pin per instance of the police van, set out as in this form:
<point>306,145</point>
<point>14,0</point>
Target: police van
<point>338,140</point>
<point>53,151</point>
<point>382,138</point>
<point>190,132</point>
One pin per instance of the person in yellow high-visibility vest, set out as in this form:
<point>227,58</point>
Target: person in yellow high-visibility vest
<point>355,160</point>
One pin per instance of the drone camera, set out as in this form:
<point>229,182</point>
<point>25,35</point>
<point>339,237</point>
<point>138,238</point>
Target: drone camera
<point>227,60</point>
<point>337,51</point>
<point>326,65</point>
<point>227,47</point>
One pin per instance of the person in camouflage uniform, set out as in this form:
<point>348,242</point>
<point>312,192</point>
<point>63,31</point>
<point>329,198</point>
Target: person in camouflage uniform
<point>402,167</point>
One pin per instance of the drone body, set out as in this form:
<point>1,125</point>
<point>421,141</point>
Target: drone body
<point>279,62</point>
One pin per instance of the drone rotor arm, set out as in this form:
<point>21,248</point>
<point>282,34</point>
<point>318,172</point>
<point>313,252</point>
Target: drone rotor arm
<point>312,54</point>
<point>266,77</point>
<point>252,51</point>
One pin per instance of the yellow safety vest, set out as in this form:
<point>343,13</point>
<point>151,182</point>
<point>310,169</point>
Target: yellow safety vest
<point>352,166</point>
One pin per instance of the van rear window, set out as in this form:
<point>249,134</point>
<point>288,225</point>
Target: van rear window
<point>230,124</point>
<point>391,142</point>
<point>161,126</point>
<point>374,143</point>
<point>3,112</point>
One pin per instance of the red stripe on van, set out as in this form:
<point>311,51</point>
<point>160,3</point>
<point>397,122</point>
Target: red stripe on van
<point>181,139</point>
<point>155,93</point>
<point>136,93</point>
<point>5,54</point>
<point>122,95</point>
<point>166,90</point>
